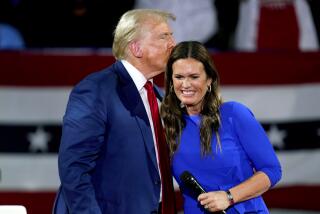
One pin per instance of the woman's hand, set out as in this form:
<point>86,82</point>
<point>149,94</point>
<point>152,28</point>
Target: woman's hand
<point>214,201</point>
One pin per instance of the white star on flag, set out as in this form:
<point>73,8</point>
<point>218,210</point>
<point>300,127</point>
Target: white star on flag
<point>276,136</point>
<point>39,140</point>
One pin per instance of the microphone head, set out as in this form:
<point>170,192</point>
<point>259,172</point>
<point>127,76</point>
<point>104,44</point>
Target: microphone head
<point>190,182</point>
<point>186,176</point>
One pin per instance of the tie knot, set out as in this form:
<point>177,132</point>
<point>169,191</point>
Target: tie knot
<point>148,86</point>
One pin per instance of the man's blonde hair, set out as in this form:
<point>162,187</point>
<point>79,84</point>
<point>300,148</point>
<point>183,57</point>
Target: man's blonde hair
<point>130,25</point>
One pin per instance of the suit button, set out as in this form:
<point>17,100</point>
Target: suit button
<point>157,182</point>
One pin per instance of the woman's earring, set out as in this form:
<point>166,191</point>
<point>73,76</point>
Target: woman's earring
<point>209,88</point>
<point>182,105</point>
<point>171,88</point>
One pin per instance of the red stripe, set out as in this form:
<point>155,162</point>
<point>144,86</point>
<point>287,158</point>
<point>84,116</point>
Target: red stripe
<point>36,69</point>
<point>294,197</point>
<point>35,202</point>
<point>43,69</point>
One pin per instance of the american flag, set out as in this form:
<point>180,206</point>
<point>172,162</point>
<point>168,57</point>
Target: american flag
<point>282,89</point>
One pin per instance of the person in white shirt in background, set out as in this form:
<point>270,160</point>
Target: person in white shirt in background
<point>196,20</point>
<point>248,24</point>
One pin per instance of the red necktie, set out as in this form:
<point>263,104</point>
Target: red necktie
<point>168,203</point>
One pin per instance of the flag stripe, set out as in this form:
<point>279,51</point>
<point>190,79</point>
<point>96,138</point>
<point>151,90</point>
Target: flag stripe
<point>32,177</point>
<point>65,69</point>
<point>49,69</point>
<point>29,105</point>
<point>39,172</point>
<point>279,102</point>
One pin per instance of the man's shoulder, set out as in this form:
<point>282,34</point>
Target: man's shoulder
<point>105,75</point>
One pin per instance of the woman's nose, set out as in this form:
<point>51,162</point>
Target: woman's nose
<point>185,83</point>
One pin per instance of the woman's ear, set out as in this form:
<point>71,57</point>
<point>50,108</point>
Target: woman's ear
<point>135,49</point>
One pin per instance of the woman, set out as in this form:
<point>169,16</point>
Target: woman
<point>220,143</point>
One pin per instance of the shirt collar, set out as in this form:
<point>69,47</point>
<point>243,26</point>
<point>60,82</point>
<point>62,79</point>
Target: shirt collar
<point>137,77</point>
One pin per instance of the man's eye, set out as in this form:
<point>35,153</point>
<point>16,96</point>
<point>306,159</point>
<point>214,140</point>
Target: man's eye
<point>165,36</point>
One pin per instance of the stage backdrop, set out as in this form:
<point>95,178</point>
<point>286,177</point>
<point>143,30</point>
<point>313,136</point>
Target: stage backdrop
<point>282,89</point>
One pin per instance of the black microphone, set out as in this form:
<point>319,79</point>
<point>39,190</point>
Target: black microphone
<point>193,185</point>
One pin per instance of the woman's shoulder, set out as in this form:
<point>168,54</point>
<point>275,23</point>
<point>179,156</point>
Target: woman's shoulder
<point>234,108</point>
<point>229,105</point>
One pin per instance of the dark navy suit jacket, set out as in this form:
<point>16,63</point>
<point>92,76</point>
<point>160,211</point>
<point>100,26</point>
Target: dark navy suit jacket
<point>107,160</point>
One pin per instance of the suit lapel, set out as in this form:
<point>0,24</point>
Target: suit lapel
<point>159,93</point>
<point>133,102</point>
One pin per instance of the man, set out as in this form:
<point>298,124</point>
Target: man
<point>108,158</point>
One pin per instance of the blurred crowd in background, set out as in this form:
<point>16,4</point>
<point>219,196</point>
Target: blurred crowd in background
<point>240,25</point>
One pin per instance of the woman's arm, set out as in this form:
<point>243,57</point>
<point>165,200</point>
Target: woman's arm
<point>251,188</point>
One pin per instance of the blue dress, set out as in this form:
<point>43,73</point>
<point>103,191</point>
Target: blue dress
<point>245,148</point>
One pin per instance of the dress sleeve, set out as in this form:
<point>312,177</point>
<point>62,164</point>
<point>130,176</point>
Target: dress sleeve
<point>255,143</point>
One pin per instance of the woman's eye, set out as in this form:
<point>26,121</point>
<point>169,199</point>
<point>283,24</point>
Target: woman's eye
<point>178,77</point>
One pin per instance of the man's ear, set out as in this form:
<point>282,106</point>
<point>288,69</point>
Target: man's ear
<point>135,49</point>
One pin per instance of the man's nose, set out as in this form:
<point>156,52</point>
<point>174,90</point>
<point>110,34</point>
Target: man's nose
<point>172,42</point>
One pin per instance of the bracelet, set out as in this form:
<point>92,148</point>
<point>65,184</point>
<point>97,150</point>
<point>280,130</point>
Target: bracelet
<point>230,197</point>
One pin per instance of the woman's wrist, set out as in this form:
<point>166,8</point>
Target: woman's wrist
<point>230,197</point>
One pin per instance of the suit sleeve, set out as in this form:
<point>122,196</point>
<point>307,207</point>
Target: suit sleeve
<point>82,137</point>
<point>256,143</point>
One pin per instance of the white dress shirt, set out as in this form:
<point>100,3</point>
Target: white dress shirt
<point>139,81</point>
